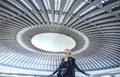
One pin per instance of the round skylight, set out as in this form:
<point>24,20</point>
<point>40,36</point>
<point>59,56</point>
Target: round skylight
<point>53,42</point>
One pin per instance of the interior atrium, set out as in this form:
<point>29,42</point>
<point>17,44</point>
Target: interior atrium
<point>35,33</point>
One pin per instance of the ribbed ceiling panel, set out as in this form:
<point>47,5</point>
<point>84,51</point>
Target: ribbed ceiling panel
<point>99,20</point>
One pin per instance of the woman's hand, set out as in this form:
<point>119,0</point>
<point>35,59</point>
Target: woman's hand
<point>51,74</point>
<point>87,74</point>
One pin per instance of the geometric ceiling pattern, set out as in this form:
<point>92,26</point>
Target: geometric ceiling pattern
<point>99,20</point>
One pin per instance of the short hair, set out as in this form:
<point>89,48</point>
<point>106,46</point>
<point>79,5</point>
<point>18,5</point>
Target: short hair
<point>69,51</point>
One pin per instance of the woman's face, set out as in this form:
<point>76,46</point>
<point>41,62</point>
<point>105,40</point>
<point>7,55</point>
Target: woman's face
<point>67,52</point>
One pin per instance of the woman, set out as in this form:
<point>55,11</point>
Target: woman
<point>67,66</point>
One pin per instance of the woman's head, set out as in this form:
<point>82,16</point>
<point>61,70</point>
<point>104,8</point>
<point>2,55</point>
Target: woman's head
<point>67,52</point>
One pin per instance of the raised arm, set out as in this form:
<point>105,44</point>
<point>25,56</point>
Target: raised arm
<point>56,69</point>
<point>76,66</point>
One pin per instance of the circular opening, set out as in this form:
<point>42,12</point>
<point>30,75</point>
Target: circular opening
<point>53,42</point>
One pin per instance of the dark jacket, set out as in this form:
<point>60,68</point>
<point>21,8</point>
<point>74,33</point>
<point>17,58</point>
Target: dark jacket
<point>71,69</point>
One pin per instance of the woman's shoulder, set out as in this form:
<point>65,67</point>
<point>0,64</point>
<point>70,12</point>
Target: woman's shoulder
<point>71,58</point>
<point>63,59</point>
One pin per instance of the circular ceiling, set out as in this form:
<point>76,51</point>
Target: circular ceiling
<point>73,39</point>
<point>92,28</point>
<point>53,42</point>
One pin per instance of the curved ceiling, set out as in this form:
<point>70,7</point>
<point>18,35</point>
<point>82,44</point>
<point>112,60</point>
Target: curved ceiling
<point>98,20</point>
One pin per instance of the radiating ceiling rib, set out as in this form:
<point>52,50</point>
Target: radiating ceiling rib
<point>25,10</point>
<point>105,15</point>
<point>43,10</point>
<point>33,10</point>
<point>52,9</point>
<point>30,14</point>
<point>79,61</point>
<point>11,60</point>
<point>112,57</point>
<point>87,28</point>
<point>12,20</point>
<point>103,61</point>
<point>110,61</point>
<point>3,51</point>
<point>43,62</point>
<point>38,61</point>
<point>34,61</point>
<point>24,60</point>
<point>114,42</point>
<point>63,2</point>
<point>30,61</point>
<point>76,3</point>
<point>102,21</point>
<point>97,62</point>
<point>109,26</point>
<point>27,61</point>
<point>15,59</point>
<point>88,63</point>
<point>19,59</point>
<point>16,22</point>
<point>3,58</point>
<point>100,26</point>
<point>15,10</point>
<point>81,11</point>
<point>115,47</point>
<point>104,8</point>
<point>105,26</point>
<point>110,51</point>
<point>9,27</point>
<point>83,64</point>
<point>101,17</point>
<point>107,20</point>
<point>93,62</point>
